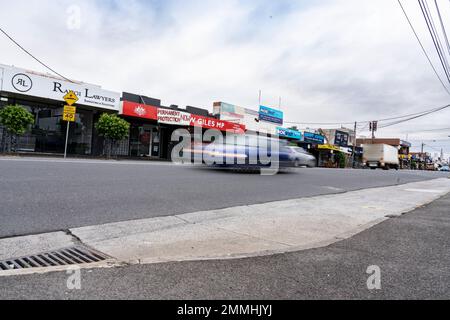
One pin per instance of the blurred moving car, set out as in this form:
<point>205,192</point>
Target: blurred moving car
<point>299,157</point>
<point>254,152</point>
<point>444,168</point>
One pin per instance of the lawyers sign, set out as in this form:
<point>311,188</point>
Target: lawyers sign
<point>45,86</point>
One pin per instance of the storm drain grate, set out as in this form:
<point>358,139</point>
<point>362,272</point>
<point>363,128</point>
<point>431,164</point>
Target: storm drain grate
<point>63,257</point>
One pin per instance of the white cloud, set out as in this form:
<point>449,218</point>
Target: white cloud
<point>341,60</point>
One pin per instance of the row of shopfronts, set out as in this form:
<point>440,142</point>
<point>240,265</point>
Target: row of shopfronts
<point>42,95</point>
<point>151,123</point>
<point>325,146</point>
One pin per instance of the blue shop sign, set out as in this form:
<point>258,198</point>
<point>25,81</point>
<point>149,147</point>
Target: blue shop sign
<point>313,138</point>
<point>289,133</point>
<point>270,115</point>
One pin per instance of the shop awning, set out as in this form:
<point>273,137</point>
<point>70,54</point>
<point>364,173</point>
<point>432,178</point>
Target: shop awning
<point>178,117</point>
<point>328,147</point>
<point>405,157</point>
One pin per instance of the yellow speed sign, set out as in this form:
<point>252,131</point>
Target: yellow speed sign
<point>69,113</point>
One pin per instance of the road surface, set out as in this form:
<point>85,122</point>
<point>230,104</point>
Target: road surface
<point>45,195</point>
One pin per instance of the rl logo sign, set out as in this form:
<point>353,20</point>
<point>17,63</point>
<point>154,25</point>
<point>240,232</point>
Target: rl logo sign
<point>22,83</point>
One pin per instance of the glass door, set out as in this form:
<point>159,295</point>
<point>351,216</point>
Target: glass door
<point>140,140</point>
<point>145,139</point>
<point>156,143</point>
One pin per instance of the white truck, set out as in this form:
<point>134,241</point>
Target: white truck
<point>381,156</point>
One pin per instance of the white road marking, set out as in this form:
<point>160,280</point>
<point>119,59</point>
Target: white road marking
<point>332,188</point>
<point>424,190</point>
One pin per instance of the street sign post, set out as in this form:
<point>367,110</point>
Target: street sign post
<point>69,114</point>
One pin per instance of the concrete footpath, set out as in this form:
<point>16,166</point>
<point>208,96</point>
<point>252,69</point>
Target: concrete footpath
<point>412,252</point>
<point>246,231</point>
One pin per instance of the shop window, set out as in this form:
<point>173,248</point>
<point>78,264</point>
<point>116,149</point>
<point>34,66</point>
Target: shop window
<point>48,133</point>
<point>80,136</point>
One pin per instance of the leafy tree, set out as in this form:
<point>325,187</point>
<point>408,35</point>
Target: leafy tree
<point>113,129</point>
<point>16,120</point>
<point>341,160</point>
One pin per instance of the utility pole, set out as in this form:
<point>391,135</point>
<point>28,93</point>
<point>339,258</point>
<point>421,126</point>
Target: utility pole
<point>373,128</point>
<point>354,145</point>
<point>373,125</point>
<point>422,157</point>
<point>260,96</point>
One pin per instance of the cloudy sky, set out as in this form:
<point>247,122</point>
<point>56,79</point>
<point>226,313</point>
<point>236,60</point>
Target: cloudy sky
<point>329,60</point>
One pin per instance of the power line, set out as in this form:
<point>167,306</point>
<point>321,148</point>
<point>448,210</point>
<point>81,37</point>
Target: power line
<point>433,130</point>
<point>442,26</point>
<point>414,117</point>
<point>366,123</point>
<point>423,48</point>
<point>432,147</point>
<point>434,36</point>
<point>438,45</point>
<point>431,140</point>
<point>31,55</point>
<point>319,123</point>
<point>413,114</point>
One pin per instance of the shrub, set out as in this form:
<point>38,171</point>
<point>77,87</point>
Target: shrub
<point>341,160</point>
<point>16,120</point>
<point>113,129</point>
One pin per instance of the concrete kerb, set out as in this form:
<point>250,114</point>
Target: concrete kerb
<point>259,229</point>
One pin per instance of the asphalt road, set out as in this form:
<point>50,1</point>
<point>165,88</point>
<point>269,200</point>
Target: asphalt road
<point>412,252</point>
<point>41,195</point>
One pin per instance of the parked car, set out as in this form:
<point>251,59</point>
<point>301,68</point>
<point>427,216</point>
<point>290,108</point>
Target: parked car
<point>300,157</point>
<point>444,168</point>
